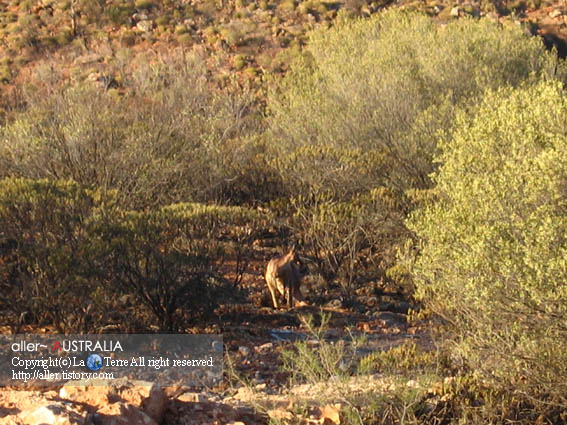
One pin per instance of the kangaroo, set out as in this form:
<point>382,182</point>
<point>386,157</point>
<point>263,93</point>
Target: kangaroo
<point>285,273</point>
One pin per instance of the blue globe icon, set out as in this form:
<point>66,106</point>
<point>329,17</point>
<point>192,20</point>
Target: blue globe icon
<point>94,362</point>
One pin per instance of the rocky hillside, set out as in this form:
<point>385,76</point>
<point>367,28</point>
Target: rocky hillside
<point>242,41</point>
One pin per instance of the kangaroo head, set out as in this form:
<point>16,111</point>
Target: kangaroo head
<point>293,257</point>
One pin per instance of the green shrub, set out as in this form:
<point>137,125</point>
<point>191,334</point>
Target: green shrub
<point>119,14</point>
<point>330,360</point>
<point>144,4</point>
<point>64,37</point>
<point>239,62</point>
<point>493,262</point>
<point>70,258</point>
<point>91,11</point>
<point>13,28</point>
<point>148,150</point>
<point>407,358</point>
<point>47,257</point>
<point>26,5</point>
<point>162,20</point>
<point>185,38</point>
<point>5,74</point>
<point>384,87</point>
<point>398,76</point>
<point>128,38</point>
<point>27,20</point>
<point>232,35</point>
<point>287,5</point>
<point>181,29</point>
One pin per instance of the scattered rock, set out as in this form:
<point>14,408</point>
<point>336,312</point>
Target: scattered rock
<point>244,394</point>
<point>94,76</point>
<point>330,414</point>
<point>368,301</point>
<point>555,13</point>
<point>264,348</point>
<point>280,415</point>
<point>336,303</point>
<point>244,351</point>
<point>145,26</point>
<point>53,413</point>
<point>139,17</point>
<point>390,319</point>
<point>151,399</point>
<point>192,398</point>
<point>121,414</point>
<point>86,59</point>
<point>217,346</point>
<point>397,307</point>
<point>412,383</point>
<point>258,378</point>
<point>493,16</point>
<point>97,398</point>
<point>287,335</point>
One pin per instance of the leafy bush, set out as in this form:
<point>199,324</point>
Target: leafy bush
<point>493,263</point>
<point>69,257</point>
<point>343,237</point>
<point>168,141</point>
<point>362,107</point>
<point>47,266</point>
<point>389,83</point>
<point>118,14</point>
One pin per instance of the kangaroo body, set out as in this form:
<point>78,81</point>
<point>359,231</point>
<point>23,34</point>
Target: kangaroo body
<point>283,274</point>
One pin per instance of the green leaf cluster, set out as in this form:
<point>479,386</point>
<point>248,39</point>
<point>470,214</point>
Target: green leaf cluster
<point>493,259</point>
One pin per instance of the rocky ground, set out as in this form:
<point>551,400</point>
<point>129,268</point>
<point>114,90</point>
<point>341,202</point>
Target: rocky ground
<point>262,393</point>
<point>256,387</point>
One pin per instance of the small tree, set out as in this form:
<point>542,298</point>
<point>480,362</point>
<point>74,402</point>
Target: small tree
<point>493,260</point>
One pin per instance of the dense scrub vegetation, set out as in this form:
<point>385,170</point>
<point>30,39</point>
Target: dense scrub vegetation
<point>164,142</point>
<point>397,152</point>
<point>493,262</point>
<point>358,117</point>
<point>72,258</point>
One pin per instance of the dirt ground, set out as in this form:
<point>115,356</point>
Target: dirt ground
<point>254,335</point>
